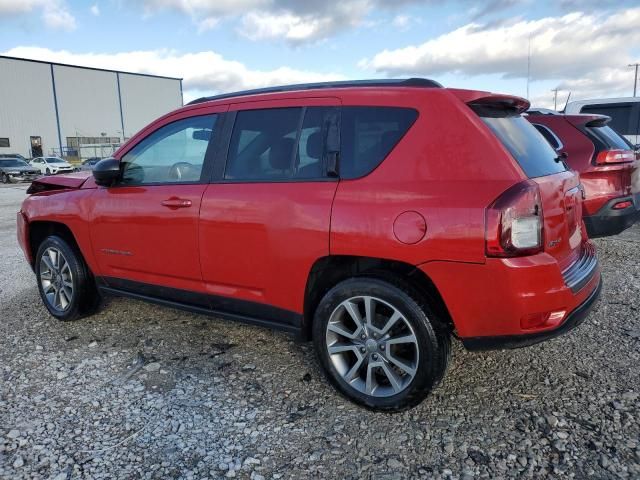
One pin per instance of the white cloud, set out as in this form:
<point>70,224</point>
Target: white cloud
<point>55,13</point>
<point>95,10</point>
<point>203,72</point>
<point>401,21</point>
<point>585,53</point>
<point>294,21</point>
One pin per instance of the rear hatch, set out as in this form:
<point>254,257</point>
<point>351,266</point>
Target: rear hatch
<point>560,193</point>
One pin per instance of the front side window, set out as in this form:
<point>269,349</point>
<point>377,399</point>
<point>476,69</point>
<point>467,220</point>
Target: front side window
<point>174,153</point>
<point>277,144</point>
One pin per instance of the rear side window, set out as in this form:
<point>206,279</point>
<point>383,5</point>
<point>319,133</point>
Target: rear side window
<point>620,113</point>
<point>526,145</point>
<point>367,136</point>
<point>607,138</point>
<point>278,144</point>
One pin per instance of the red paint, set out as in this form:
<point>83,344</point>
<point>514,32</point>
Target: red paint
<point>409,227</point>
<point>259,241</point>
<point>601,182</point>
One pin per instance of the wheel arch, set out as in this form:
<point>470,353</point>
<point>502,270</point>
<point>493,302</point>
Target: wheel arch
<point>328,271</point>
<point>39,230</point>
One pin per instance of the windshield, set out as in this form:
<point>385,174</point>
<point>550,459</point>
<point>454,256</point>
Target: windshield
<point>526,145</point>
<point>12,162</point>
<point>54,160</point>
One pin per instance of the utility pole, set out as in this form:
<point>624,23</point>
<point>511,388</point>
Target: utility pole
<point>635,83</point>
<point>555,98</point>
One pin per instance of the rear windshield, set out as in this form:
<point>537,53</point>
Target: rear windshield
<point>622,118</point>
<point>526,145</point>
<point>607,138</point>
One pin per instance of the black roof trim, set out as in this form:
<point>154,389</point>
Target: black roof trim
<point>404,82</point>
<point>87,68</point>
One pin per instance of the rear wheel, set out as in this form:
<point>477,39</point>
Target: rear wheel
<point>66,287</point>
<point>379,343</point>
<point>5,178</point>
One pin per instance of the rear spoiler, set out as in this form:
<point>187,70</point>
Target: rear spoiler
<point>591,120</point>
<point>488,99</point>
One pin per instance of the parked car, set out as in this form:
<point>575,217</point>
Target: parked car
<point>16,170</point>
<point>89,163</point>
<point>12,155</point>
<point>609,170</point>
<point>360,215</point>
<point>624,113</point>
<point>52,165</point>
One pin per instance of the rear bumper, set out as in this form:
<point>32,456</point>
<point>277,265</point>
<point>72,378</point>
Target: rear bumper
<point>608,221</point>
<point>507,299</point>
<point>574,319</point>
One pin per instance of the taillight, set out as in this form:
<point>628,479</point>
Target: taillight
<point>514,222</point>
<point>615,156</point>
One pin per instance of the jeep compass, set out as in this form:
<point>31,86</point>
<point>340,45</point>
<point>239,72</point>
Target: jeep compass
<point>378,219</point>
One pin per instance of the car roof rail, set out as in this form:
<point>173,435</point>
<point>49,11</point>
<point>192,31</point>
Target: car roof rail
<point>403,82</point>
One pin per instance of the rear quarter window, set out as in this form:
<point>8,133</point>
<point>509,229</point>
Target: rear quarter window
<point>526,145</point>
<point>368,134</point>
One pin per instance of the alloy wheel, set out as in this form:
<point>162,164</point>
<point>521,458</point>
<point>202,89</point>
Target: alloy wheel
<point>56,279</point>
<point>372,346</point>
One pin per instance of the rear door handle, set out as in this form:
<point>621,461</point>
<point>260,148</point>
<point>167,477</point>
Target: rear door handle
<point>175,202</point>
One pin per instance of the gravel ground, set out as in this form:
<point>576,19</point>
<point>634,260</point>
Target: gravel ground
<point>140,391</point>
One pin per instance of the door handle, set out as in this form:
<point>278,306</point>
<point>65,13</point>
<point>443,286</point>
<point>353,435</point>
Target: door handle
<point>175,202</point>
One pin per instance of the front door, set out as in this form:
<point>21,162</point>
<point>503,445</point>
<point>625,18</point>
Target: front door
<point>265,221</point>
<point>144,229</point>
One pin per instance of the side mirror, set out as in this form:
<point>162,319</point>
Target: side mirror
<point>106,172</point>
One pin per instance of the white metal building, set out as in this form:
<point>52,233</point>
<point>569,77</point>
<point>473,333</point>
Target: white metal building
<point>51,108</point>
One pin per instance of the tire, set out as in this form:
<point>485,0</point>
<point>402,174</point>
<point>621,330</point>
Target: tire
<point>5,178</point>
<point>47,172</point>
<point>424,351</point>
<point>68,292</point>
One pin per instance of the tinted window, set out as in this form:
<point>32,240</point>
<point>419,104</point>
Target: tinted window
<point>172,154</point>
<point>277,144</point>
<point>620,114</point>
<point>549,136</point>
<point>367,136</point>
<point>523,141</point>
<point>13,162</point>
<point>607,138</point>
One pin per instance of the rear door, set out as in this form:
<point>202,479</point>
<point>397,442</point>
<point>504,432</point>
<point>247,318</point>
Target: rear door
<point>560,189</point>
<point>265,217</point>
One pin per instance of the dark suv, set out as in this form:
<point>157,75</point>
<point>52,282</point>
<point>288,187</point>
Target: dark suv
<point>377,218</point>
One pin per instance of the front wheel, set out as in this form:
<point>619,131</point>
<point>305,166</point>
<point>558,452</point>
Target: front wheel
<point>65,284</point>
<point>5,178</point>
<point>379,343</point>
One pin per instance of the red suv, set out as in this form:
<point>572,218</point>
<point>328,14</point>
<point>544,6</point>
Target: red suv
<point>607,164</point>
<point>378,218</point>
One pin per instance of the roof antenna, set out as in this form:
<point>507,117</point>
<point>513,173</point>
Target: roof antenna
<point>566,103</point>
<point>528,66</point>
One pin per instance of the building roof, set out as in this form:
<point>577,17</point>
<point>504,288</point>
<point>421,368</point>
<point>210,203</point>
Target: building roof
<point>88,68</point>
